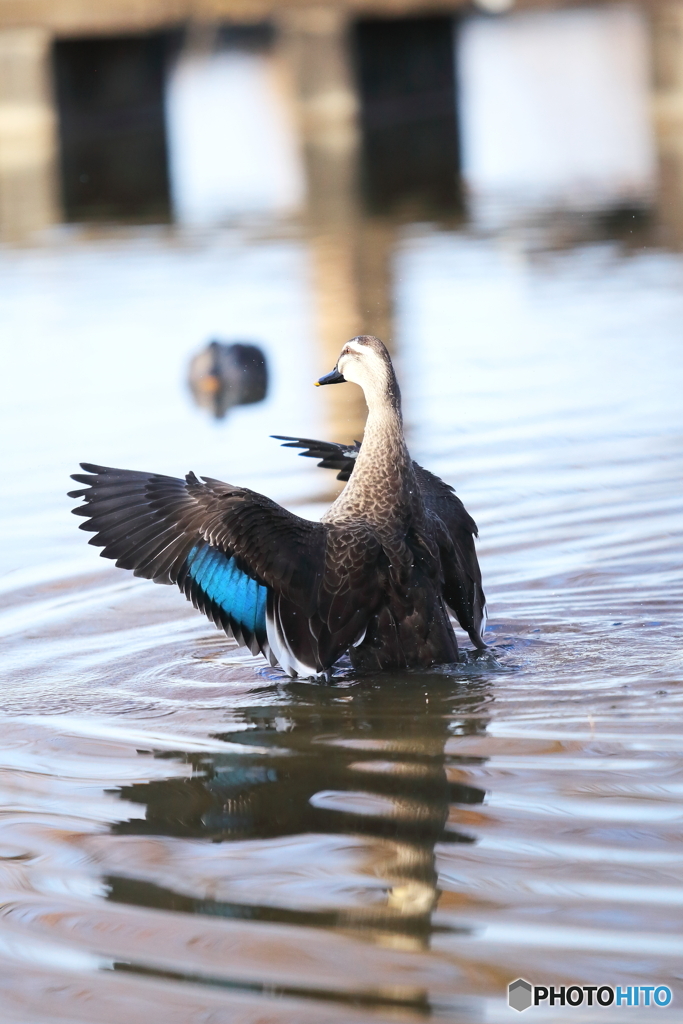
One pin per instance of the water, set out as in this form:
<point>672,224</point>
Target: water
<point>188,836</point>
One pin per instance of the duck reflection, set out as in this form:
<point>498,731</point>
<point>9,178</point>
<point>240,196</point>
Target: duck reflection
<point>368,761</point>
<point>224,375</point>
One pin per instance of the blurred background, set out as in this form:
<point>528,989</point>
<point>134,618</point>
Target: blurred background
<point>200,202</point>
<point>341,126</point>
<point>195,113</point>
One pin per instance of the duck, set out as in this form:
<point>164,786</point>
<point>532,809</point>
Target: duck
<point>377,578</point>
<point>223,375</point>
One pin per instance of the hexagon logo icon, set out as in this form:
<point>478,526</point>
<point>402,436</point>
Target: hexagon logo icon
<point>519,994</point>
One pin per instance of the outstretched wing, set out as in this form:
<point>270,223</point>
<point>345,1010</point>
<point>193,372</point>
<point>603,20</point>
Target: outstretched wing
<point>341,457</point>
<point>463,590</point>
<point>252,567</point>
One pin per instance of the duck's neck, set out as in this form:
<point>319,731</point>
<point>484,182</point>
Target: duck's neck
<point>381,487</point>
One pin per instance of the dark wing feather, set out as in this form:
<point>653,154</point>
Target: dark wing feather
<point>463,590</point>
<point>341,457</point>
<point>156,525</point>
<point>204,535</point>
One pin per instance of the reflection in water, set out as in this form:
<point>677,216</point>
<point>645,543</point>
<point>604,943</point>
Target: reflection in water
<point>366,761</point>
<point>352,274</point>
<point>221,376</point>
<point>351,253</point>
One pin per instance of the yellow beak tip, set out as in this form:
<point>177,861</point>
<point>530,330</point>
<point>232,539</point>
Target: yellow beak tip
<point>316,383</point>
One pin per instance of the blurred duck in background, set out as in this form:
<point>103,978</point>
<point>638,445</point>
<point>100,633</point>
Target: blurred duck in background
<point>224,375</point>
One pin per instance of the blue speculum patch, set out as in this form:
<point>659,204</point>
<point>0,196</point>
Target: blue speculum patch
<point>242,598</point>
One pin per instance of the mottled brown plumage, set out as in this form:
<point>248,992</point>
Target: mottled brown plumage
<point>425,569</point>
<point>374,577</point>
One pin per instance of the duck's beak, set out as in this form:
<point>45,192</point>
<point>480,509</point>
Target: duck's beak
<point>209,384</point>
<point>335,377</point>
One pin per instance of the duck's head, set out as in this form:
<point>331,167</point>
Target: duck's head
<point>365,361</point>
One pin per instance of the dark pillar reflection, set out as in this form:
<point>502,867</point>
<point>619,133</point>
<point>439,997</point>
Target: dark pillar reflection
<point>112,128</point>
<point>410,145</point>
<point>369,761</point>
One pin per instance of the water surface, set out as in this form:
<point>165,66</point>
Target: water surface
<point>187,835</point>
